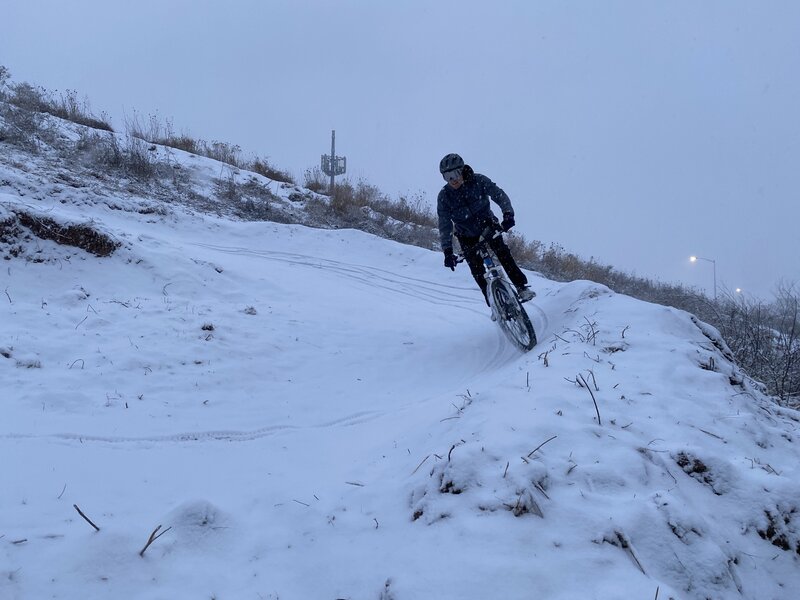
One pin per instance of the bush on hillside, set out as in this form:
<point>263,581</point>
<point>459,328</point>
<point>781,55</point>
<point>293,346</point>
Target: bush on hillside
<point>315,180</point>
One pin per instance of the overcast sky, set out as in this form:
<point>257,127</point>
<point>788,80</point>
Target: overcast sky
<point>635,132</point>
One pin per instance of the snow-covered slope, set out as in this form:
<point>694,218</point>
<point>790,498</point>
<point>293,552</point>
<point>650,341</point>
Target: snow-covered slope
<point>326,414</point>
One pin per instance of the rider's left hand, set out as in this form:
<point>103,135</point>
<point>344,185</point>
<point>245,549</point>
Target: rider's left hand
<point>508,221</point>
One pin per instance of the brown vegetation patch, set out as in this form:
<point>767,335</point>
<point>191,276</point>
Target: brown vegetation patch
<point>81,236</point>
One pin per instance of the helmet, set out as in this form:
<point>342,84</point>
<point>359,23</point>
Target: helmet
<point>450,162</point>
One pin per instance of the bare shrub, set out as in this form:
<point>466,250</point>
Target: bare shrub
<point>765,338</point>
<point>223,152</point>
<point>66,106</point>
<point>4,77</point>
<point>101,149</point>
<point>315,180</point>
<point>263,167</point>
<point>345,200</point>
<point>181,142</point>
<point>408,210</point>
<point>21,127</point>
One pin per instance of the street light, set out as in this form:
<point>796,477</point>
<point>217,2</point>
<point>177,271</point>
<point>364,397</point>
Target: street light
<point>714,263</point>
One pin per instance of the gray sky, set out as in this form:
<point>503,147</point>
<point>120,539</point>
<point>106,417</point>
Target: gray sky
<point>635,132</point>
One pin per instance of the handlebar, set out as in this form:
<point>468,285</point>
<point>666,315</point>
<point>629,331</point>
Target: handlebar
<point>492,230</point>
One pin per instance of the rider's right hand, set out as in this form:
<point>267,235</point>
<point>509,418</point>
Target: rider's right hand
<point>450,259</point>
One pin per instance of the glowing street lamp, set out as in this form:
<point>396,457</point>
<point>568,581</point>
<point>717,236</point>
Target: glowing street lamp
<point>714,263</point>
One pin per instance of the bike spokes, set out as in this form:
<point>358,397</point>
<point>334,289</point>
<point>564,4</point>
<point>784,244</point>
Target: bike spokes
<point>512,317</point>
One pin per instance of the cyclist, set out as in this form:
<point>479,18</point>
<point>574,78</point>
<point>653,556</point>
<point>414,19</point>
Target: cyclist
<point>463,207</point>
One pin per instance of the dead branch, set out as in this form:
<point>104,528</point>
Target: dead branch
<point>88,520</point>
<point>153,538</point>
<point>540,445</point>
<point>591,336</point>
<point>625,545</point>
<point>596,388</point>
<point>420,464</point>
<point>597,410</point>
<point>543,357</point>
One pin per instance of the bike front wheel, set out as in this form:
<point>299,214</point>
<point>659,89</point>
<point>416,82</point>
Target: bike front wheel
<point>511,315</point>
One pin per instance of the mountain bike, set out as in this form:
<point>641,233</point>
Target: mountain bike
<point>507,310</point>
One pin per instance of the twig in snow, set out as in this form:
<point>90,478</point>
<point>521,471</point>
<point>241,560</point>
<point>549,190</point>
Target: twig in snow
<point>543,358</point>
<point>376,523</point>
<point>624,330</point>
<point>88,520</point>
<point>539,487</point>
<point>153,538</point>
<point>621,541</point>
<point>7,296</point>
<point>711,434</point>
<point>79,324</point>
<point>594,381</point>
<point>597,410</point>
<point>451,452</point>
<point>506,471</point>
<point>540,445</point>
<point>62,491</point>
<point>591,336</point>
<point>299,502</point>
<point>355,483</point>
<point>83,363</point>
<point>420,464</point>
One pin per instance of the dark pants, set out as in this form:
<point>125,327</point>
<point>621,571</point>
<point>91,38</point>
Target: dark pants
<point>475,262</point>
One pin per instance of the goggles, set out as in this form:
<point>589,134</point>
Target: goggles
<point>453,175</point>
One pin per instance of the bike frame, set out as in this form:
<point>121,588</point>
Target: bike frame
<point>503,299</point>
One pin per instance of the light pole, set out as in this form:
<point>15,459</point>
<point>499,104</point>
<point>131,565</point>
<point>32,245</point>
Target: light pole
<point>714,263</point>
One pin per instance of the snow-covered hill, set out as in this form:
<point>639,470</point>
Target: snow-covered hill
<point>315,413</point>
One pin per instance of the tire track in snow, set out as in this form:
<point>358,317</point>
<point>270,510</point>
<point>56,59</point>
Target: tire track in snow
<point>201,436</point>
<point>422,289</point>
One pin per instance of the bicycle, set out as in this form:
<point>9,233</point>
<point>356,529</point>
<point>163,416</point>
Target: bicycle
<point>507,310</point>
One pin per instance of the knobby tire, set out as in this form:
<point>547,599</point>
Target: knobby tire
<point>511,316</point>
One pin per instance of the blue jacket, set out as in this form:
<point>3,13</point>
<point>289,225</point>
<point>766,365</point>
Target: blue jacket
<point>467,209</point>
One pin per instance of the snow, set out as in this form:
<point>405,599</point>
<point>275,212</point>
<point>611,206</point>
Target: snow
<point>317,413</point>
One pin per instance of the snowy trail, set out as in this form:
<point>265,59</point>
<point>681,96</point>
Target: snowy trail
<point>326,414</point>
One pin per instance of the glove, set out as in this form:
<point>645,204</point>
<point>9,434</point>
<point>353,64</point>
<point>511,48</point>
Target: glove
<point>449,259</point>
<point>508,221</point>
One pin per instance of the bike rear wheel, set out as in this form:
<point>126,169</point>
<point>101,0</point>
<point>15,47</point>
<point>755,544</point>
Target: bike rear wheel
<point>511,315</point>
